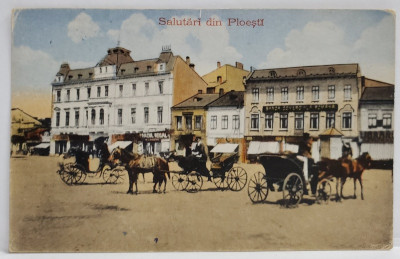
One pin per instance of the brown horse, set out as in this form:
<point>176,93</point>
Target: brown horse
<point>136,164</point>
<point>340,169</point>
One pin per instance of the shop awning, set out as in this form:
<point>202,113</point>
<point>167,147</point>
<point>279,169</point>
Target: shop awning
<point>121,144</point>
<point>42,145</point>
<point>225,148</point>
<point>258,147</point>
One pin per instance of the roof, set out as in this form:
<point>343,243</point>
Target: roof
<point>379,93</point>
<point>331,132</point>
<point>305,72</point>
<point>116,56</point>
<point>232,98</point>
<point>374,83</point>
<point>197,101</point>
<point>79,74</point>
<point>128,69</point>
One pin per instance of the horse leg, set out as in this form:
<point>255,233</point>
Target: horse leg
<point>337,189</point>
<point>165,182</point>
<point>355,187</point>
<point>343,181</point>
<point>361,184</point>
<point>130,190</point>
<point>136,180</point>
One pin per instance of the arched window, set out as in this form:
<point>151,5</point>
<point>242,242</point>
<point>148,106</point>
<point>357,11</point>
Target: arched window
<point>101,116</point>
<point>272,74</point>
<point>331,70</point>
<point>93,117</point>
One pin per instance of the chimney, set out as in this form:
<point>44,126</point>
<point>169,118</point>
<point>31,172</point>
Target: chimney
<point>218,64</point>
<point>239,65</point>
<point>191,65</point>
<point>187,60</point>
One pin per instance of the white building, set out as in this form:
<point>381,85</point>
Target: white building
<point>225,121</point>
<point>118,97</point>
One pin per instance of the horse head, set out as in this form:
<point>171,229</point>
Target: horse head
<point>365,160</point>
<point>115,155</point>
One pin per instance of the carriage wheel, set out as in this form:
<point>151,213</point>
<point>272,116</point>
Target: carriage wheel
<point>237,178</point>
<point>112,175</point>
<point>194,182</point>
<point>82,178</point>
<point>292,190</point>
<point>179,181</point>
<point>72,175</point>
<point>220,181</point>
<point>257,188</point>
<point>324,191</point>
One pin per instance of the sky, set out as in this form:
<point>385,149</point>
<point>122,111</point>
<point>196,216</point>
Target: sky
<point>44,38</point>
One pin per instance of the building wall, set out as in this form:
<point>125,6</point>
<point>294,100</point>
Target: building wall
<point>186,82</point>
<point>378,109</point>
<point>256,107</point>
<point>177,133</point>
<point>231,78</point>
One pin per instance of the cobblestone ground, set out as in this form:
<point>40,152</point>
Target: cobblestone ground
<point>48,215</point>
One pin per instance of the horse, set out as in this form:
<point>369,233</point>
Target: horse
<point>136,164</point>
<point>340,169</point>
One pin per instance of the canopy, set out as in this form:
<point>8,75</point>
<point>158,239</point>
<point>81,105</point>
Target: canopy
<point>121,144</point>
<point>42,145</point>
<point>225,148</point>
<point>258,147</point>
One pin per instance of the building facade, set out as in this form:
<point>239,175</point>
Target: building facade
<point>120,96</point>
<point>284,103</point>
<point>225,121</point>
<point>188,120</point>
<point>226,78</point>
<point>377,119</point>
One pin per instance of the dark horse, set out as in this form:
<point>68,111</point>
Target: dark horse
<point>340,169</point>
<point>136,164</point>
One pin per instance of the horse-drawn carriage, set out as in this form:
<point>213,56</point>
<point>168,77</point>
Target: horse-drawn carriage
<point>286,173</point>
<point>224,173</point>
<point>76,172</point>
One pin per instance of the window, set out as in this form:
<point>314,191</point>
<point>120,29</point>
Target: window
<point>146,114</point>
<point>122,72</point>
<point>197,122</point>
<point>387,121</point>
<point>270,94</point>
<point>159,114</point>
<point>300,93</point>
<point>330,120</point>
<point>331,70</point>
<point>161,87</point>
<point>87,117</point>
<point>235,122</point>
<point>93,117</point>
<point>372,120</point>
<point>136,70</point>
<point>119,122</point>
<point>284,120</point>
<point>213,122</point>
<point>255,92</point>
<point>188,121</point>
<point>57,119</point>
<point>146,88</point>
<point>178,122</point>
<point>299,121</point>
<point>254,121</point>
<point>79,76</point>
<point>106,90</point>
<point>161,67</point>
<point>284,94</point>
<point>315,93</point>
<point>331,92</point>
<point>101,70</point>
<point>346,122</point>
<point>314,120</point>
<point>58,96</point>
<point>133,89</point>
<point>101,117</point>
<point>121,90</point>
<point>347,92</point>
<point>88,92</point>
<point>133,115</point>
<point>148,68</point>
<point>98,91</point>
<point>68,95</point>
<point>77,94</point>
<point>76,118</point>
<point>224,123</point>
<point>272,74</point>
<point>269,121</point>
<point>301,72</point>
<point>66,118</point>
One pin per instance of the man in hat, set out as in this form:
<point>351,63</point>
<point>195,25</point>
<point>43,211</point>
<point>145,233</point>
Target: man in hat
<point>309,169</point>
<point>347,155</point>
<point>199,152</point>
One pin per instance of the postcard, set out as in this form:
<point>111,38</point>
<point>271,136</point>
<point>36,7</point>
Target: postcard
<point>201,130</point>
